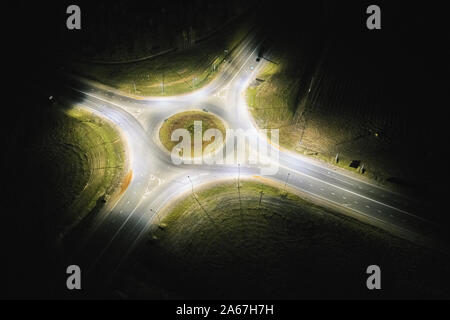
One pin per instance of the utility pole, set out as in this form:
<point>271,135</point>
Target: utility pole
<point>163,83</point>
<point>200,205</point>
<point>239,175</point>
<point>285,183</point>
<point>157,215</point>
<point>192,185</point>
<point>260,196</point>
<point>239,189</point>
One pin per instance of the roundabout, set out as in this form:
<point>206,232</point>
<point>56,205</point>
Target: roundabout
<point>186,121</point>
<point>157,181</point>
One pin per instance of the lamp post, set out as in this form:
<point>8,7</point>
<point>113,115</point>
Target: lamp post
<point>192,185</point>
<point>285,183</point>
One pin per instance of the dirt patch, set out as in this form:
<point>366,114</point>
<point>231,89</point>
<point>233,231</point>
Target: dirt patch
<point>126,181</point>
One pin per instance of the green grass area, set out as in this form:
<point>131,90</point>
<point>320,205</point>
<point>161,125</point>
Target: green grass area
<point>269,102</point>
<point>185,120</point>
<point>303,128</point>
<point>225,243</point>
<point>173,73</point>
<point>81,157</point>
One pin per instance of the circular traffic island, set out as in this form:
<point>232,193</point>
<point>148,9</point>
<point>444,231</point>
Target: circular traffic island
<point>261,242</point>
<point>186,120</point>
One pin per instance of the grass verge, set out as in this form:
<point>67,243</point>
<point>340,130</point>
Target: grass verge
<point>82,158</point>
<point>174,73</point>
<point>260,242</point>
<point>273,100</point>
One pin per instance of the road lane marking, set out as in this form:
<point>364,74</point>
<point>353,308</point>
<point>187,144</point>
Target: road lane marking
<point>359,195</point>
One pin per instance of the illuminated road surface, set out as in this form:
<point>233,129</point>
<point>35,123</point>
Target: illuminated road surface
<point>156,180</point>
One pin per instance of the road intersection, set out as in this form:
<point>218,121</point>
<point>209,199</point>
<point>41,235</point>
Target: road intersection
<point>157,181</point>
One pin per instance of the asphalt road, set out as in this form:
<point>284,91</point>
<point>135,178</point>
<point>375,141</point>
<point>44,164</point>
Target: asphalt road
<point>157,181</point>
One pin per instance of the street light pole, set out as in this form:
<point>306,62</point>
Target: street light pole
<point>239,175</point>
<point>192,185</point>
<point>157,215</point>
<point>239,190</point>
<point>260,196</point>
<point>163,83</point>
<point>285,183</point>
